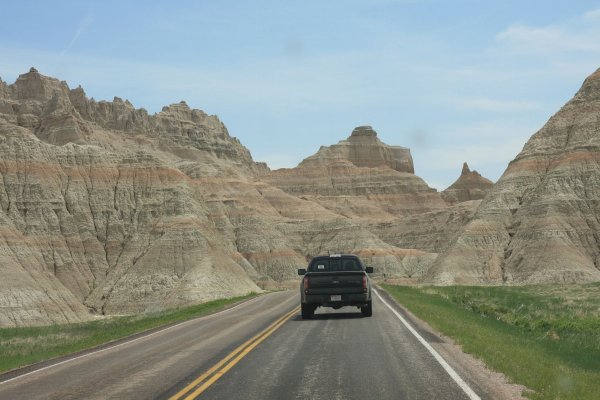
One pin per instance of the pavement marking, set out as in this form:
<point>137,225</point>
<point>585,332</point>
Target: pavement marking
<point>461,383</point>
<point>127,342</point>
<point>201,383</point>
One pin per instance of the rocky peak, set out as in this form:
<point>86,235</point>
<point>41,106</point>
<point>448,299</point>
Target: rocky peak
<point>590,88</point>
<point>573,127</point>
<point>35,86</point>
<point>363,149</point>
<point>181,106</point>
<point>59,115</point>
<point>79,100</point>
<point>363,131</point>
<point>465,169</point>
<point>182,111</point>
<point>361,177</point>
<point>3,89</point>
<point>470,185</point>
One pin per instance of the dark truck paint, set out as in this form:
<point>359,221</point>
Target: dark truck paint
<point>335,281</point>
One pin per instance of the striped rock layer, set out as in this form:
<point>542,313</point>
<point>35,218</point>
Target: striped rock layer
<point>541,221</point>
<point>106,209</point>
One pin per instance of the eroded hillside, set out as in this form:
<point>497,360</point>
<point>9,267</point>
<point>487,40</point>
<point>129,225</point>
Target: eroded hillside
<point>541,221</point>
<point>107,209</point>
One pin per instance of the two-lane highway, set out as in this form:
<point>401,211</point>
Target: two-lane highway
<point>261,349</point>
<point>150,366</point>
<point>339,355</point>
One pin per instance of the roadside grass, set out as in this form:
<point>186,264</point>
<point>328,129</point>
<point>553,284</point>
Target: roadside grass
<point>23,346</point>
<point>545,337</point>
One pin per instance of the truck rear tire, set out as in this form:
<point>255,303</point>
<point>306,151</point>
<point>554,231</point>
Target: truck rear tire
<point>307,311</point>
<point>367,310</point>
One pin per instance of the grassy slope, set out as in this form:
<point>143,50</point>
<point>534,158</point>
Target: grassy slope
<point>24,346</point>
<point>544,337</point>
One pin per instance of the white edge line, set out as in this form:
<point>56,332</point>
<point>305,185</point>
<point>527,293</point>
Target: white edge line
<point>459,381</point>
<point>126,342</point>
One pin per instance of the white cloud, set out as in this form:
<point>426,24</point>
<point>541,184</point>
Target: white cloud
<point>592,15</point>
<point>489,131</point>
<point>83,25</point>
<point>574,36</point>
<point>493,105</point>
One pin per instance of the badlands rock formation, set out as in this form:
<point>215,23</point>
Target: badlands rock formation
<point>470,185</point>
<point>360,177</point>
<point>363,149</point>
<point>383,196</point>
<point>107,209</point>
<point>96,215</point>
<point>541,221</point>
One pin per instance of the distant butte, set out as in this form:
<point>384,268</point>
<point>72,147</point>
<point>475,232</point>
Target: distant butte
<point>470,185</point>
<point>363,149</point>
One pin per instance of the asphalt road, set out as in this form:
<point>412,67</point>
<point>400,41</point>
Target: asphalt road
<point>258,353</point>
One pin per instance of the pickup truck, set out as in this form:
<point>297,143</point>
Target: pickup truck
<point>335,281</point>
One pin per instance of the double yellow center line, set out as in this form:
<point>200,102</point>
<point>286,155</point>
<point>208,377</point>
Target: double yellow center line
<point>203,382</point>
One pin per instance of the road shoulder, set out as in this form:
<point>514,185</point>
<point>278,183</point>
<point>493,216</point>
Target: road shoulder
<point>474,371</point>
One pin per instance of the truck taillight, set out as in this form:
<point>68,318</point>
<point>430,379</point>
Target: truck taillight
<point>364,283</point>
<point>306,283</point>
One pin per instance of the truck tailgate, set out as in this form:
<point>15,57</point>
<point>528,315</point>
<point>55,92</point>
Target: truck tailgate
<point>335,282</point>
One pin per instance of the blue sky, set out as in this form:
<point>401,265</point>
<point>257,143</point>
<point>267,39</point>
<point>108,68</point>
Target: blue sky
<point>455,81</point>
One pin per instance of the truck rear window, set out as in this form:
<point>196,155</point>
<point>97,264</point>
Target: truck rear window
<point>335,264</point>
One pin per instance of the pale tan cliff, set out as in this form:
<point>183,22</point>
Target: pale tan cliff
<point>431,231</point>
<point>121,232</point>
<point>360,177</point>
<point>363,149</point>
<point>98,217</point>
<point>540,221</point>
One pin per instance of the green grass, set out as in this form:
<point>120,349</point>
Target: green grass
<point>546,337</point>
<point>24,346</point>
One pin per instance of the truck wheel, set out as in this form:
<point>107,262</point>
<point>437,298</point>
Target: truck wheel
<point>307,311</point>
<point>367,310</point>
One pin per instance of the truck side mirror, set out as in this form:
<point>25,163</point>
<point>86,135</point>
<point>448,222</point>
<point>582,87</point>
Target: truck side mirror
<point>369,270</point>
<point>301,271</point>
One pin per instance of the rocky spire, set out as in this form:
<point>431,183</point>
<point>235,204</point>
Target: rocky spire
<point>465,169</point>
<point>469,186</point>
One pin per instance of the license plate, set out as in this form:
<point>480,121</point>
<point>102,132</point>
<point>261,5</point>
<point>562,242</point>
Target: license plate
<point>336,297</point>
